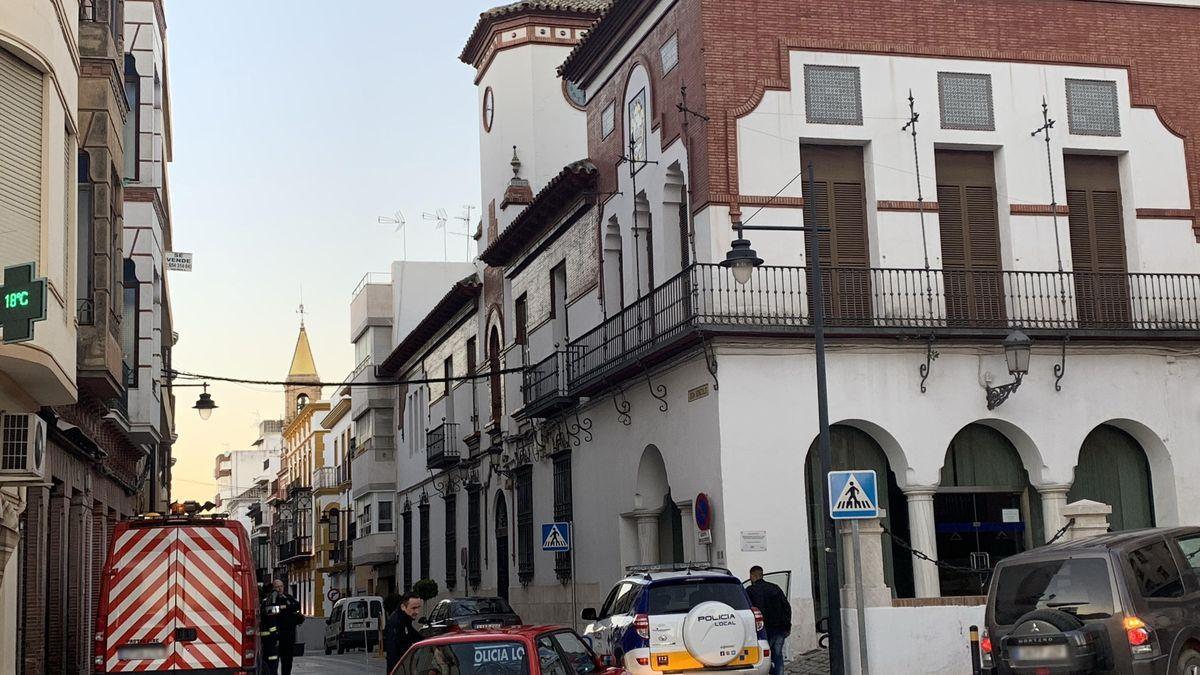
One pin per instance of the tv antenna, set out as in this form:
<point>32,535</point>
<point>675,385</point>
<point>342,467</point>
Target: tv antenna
<point>440,216</point>
<point>398,220</point>
<point>466,226</point>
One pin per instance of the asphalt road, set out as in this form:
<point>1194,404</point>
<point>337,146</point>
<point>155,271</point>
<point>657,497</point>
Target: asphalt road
<point>350,663</point>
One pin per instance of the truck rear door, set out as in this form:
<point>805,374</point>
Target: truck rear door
<point>210,624</point>
<point>141,600</point>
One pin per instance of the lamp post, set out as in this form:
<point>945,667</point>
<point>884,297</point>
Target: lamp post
<point>741,260</point>
<point>205,405</point>
<point>1017,347</point>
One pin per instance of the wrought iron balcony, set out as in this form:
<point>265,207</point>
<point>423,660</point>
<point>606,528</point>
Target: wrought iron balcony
<point>704,298</point>
<point>441,446</point>
<point>544,387</point>
<point>325,478</point>
<point>298,547</point>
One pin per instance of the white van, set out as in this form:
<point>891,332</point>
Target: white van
<point>354,622</point>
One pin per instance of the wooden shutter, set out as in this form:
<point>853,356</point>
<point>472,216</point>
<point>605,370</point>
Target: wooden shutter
<point>21,117</point>
<point>970,236</point>
<point>836,198</point>
<point>1097,240</point>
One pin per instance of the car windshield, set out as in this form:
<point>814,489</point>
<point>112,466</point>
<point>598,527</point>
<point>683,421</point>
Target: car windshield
<point>469,658</point>
<point>1078,586</point>
<point>680,596</point>
<point>477,606</point>
<point>357,610</point>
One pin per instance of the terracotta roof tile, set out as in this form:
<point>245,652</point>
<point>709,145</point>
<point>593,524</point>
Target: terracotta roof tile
<point>592,8</point>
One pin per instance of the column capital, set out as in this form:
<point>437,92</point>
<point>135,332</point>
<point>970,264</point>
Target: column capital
<point>1053,489</point>
<point>644,514</point>
<point>922,492</point>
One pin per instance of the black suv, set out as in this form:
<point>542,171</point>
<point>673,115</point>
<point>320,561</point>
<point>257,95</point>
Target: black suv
<point>479,613</point>
<point>1123,602</point>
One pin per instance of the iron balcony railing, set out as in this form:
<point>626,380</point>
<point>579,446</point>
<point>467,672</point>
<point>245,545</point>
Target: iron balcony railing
<point>877,300</point>
<point>441,446</point>
<point>544,386</point>
<point>295,548</point>
<point>325,478</point>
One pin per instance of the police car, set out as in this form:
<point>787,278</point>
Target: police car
<point>671,618</point>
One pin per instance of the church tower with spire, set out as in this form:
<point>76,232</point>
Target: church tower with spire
<point>302,380</point>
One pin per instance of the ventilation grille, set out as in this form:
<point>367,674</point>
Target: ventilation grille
<point>1092,108</point>
<point>14,443</point>
<point>966,101</point>
<point>833,95</point>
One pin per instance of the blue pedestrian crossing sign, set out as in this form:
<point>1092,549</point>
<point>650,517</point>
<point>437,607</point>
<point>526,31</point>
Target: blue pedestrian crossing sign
<point>556,537</point>
<point>853,494</point>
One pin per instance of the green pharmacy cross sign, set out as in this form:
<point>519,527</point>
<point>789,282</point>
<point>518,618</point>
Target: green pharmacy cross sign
<point>22,302</point>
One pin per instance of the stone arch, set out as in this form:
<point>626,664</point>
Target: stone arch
<point>675,231</point>
<point>643,244</point>
<point>896,458</point>
<point>1031,457</point>
<point>656,516</point>
<point>613,267</point>
<point>652,483</point>
<point>1161,468</point>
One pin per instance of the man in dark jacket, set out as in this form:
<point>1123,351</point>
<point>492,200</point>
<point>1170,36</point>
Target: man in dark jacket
<point>777,614</point>
<point>280,615</point>
<point>400,633</point>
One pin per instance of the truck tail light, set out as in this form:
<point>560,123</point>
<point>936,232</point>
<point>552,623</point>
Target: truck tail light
<point>758,620</point>
<point>641,623</point>
<point>1139,635</point>
<point>985,649</point>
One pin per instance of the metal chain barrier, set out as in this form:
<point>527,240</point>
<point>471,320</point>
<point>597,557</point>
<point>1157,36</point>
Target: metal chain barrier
<point>958,568</point>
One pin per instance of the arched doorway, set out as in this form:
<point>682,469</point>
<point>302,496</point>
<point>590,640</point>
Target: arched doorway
<point>494,383</point>
<point>853,448</point>
<point>501,545</point>
<point>659,521</point>
<point>1113,469</point>
<point>985,509</point>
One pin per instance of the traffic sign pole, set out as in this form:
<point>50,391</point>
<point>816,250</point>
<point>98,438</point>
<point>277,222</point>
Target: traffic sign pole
<point>574,581</point>
<point>860,605</point>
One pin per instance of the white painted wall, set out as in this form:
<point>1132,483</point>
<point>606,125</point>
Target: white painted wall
<point>914,640</point>
<point>416,288</point>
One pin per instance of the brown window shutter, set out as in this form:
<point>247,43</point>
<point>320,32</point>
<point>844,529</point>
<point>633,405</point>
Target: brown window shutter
<point>1079,223</point>
<point>850,225</point>
<point>951,223</point>
<point>970,236</point>
<point>1097,240</point>
<point>836,202</point>
<point>984,227</point>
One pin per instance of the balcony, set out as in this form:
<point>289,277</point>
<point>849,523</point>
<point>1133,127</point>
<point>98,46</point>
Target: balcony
<point>544,387</point>
<point>876,302</point>
<point>325,478</point>
<point>441,446</point>
<point>300,547</point>
<point>343,474</point>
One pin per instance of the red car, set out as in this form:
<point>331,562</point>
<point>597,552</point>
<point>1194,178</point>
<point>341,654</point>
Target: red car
<point>505,651</point>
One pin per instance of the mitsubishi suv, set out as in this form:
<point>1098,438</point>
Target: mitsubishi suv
<point>1122,602</point>
<point>671,618</point>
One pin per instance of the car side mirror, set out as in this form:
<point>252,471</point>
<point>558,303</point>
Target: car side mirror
<point>588,614</point>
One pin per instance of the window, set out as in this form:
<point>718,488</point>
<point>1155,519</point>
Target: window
<point>624,601</point>
<point>385,516</point>
<point>406,533</point>
<point>489,108</point>
<point>131,144</point>
<point>669,53</point>
<point>520,315</point>
<point>524,490</point>
<point>474,574</point>
<point>469,658</point>
<point>362,349</point>
<point>562,508</point>
<point>579,657</point>
<point>472,355</point>
<point>1190,547</point>
<point>21,113</point>
<point>576,96</point>
<point>364,520</point>
<point>423,516</point>
<point>1155,571</point>
<point>1092,108</point>
<point>832,95</point>
<point>451,541</point>
<point>301,401</point>
<point>129,323</point>
<point>1084,582</point>
<point>549,658</point>
<point>966,101</point>
<point>608,120</point>
<point>448,372</point>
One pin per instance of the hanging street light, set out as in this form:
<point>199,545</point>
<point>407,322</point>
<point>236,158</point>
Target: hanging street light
<point>1017,347</point>
<point>205,404</point>
<point>741,259</point>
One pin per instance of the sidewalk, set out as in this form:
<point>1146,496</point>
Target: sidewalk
<point>815,662</point>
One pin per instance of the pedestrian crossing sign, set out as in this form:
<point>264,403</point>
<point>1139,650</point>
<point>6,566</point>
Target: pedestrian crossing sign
<point>556,537</point>
<point>853,494</point>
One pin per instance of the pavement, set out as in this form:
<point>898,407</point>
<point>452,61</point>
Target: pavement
<point>815,662</point>
<point>350,663</point>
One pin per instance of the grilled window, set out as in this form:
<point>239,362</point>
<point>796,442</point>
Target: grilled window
<point>423,514</point>
<point>406,532</point>
<point>1092,108</point>
<point>966,101</point>
<point>474,574</point>
<point>562,508</point>
<point>832,95</point>
<point>524,477</point>
<point>451,501</point>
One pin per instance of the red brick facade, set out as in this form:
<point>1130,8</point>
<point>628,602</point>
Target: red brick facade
<point>731,51</point>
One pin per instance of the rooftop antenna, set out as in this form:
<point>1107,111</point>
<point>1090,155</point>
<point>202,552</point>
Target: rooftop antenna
<point>398,221</point>
<point>440,216</point>
<point>467,226</point>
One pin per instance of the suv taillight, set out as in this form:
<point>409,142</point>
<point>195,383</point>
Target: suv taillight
<point>1140,636</point>
<point>985,649</point>
<point>758,620</point>
<point>641,623</point>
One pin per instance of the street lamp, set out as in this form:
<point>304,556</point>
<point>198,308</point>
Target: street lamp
<point>1017,347</point>
<point>205,404</point>
<point>741,261</point>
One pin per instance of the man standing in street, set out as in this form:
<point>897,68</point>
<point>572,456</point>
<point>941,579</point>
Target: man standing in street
<point>777,614</point>
<point>280,615</point>
<point>400,633</point>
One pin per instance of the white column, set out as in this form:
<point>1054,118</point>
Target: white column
<point>1054,500</point>
<point>647,529</point>
<point>687,522</point>
<point>923,537</point>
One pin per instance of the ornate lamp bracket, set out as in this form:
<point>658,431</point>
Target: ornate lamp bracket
<point>931,355</point>
<point>1060,369</point>
<point>998,395</point>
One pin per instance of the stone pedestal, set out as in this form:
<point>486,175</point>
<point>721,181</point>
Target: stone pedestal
<point>922,534</point>
<point>876,592</point>
<point>1054,500</point>
<point>1091,518</point>
<point>647,535</point>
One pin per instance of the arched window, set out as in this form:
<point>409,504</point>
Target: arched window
<point>130,141</point>
<point>614,268</point>
<point>131,298</point>
<point>301,401</point>
<point>494,380</point>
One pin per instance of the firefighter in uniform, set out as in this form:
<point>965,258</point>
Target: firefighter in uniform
<point>277,629</point>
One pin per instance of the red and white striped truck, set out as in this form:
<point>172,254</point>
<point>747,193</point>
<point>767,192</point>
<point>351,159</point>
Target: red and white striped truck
<point>178,594</point>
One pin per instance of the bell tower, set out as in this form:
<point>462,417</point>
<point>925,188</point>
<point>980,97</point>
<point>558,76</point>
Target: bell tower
<point>302,377</point>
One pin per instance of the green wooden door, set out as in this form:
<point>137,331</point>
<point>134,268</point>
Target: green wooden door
<point>1113,470</point>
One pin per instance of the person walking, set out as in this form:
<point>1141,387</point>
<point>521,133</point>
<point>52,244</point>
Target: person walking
<point>400,633</point>
<point>777,614</point>
<point>280,614</point>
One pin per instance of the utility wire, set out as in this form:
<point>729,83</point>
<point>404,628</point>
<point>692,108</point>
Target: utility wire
<point>392,383</point>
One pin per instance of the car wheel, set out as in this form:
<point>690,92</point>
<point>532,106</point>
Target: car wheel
<point>341,649</point>
<point>328,649</point>
<point>1189,662</point>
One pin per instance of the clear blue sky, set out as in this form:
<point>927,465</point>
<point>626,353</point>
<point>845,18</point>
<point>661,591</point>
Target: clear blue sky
<point>296,124</point>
